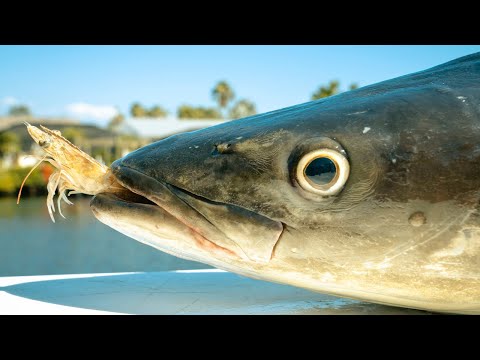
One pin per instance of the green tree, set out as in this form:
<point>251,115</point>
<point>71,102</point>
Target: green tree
<point>332,88</point>
<point>325,91</point>
<point>19,110</point>
<point>9,143</point>
<point>8,183</point>
<point>138,110</point>
<point>185,112</point>
<point>210,113</point>
<point>242,108</point>
<point>157,112</point>
<point>191,112</point>
<point>222,93</point>
<point>116,122</point>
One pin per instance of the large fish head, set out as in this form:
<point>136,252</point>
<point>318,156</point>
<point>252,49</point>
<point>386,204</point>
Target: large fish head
<point>363,194</point>
<point>230,194</point>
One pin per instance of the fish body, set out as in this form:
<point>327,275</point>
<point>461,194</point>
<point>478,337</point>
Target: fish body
<point>395,222</point>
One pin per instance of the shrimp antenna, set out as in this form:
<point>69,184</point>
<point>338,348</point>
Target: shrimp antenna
<point>26,177</point>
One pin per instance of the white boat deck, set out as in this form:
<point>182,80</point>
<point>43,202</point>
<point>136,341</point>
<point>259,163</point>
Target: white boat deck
<point>176,292</point>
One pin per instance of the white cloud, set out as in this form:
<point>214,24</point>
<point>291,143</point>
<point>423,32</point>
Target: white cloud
<point>9,100</point>
<point>87,111</point>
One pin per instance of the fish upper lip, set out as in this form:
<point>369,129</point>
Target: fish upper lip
<point>167,185</point>
<point>177,188</point>
<point>201,231</point>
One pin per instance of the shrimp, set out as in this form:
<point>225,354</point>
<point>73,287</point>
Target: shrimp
<point>75,170</point>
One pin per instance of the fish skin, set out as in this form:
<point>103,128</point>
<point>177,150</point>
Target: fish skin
<point>403,231</point>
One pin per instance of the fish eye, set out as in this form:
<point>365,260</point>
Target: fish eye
<point>44,143</point>
<point>323,172</point>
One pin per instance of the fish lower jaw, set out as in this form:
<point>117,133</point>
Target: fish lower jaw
<point>327,283</point>
<point>197,248</point>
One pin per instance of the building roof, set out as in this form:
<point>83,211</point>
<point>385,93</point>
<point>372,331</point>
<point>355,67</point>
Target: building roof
<point>163,127</point>
<point>7,122</point>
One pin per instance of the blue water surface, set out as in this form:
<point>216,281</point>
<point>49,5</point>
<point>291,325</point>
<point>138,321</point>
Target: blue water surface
<point>31,244</point>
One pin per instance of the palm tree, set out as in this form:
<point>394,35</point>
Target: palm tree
<point>210,113</point>
<point>191,112</point>
<point>326,91</point>
<point>222,93</point>
<point>242,108</point>
<point>157,112</point>
<point>137,110</point>
<point>332,88</point>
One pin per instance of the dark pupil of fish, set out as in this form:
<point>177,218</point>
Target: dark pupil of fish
<point>321,171</point>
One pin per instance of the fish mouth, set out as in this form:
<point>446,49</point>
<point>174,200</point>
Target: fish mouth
<point>185,224</point>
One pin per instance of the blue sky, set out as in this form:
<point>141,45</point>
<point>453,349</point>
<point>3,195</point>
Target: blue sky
<point>91,82</point>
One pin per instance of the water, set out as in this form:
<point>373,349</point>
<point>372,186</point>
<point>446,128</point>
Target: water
<point>30,244</point>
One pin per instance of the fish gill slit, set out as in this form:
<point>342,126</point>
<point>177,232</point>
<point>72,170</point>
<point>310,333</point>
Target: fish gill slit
<point>278,241</point>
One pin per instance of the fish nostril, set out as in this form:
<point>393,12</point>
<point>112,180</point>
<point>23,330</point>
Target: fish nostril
<point>223,148</point>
